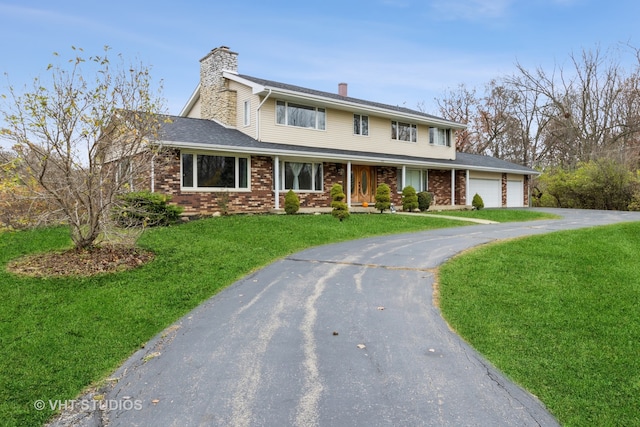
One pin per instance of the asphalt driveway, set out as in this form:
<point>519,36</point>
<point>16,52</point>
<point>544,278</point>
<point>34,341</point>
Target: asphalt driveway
<point>338,335</point>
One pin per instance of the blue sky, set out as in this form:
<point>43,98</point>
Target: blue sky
<point>400,52</point>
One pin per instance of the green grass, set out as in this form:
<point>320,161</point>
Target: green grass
<point>57,336</point>
<point>559,314</point>
<point>499,215</point>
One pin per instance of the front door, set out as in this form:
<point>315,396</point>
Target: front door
<point>362,184</point>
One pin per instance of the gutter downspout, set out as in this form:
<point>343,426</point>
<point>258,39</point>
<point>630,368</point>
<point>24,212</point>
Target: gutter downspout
<point>258,115</point>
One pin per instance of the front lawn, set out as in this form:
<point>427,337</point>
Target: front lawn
<point>498,214</point>
<point>560,315</point>
<point>59,335</point>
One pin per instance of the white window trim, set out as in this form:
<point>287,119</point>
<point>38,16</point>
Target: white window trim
<point>447,142</point>
<point>361,116</point>
<point>313,177</point>
<point>286,116</point>
<point>413,130</point>
<point>197,189</point>
<point>424,178</point>
<point>247,113</point>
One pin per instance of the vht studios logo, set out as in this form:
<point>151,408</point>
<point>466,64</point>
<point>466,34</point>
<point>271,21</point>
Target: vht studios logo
<point>89,405</point>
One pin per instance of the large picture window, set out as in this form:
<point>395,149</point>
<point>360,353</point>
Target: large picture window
<point>205,171</point>
<point>439,136</point>
<point>301,176</point>
<point>417,178</point>
<point>404,131</point>
<point>298,115</point>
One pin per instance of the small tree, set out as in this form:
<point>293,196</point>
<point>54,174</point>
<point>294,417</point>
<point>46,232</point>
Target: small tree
<point>383,197</point>
<point>291,203</point>
<point>409,199</point>
<point>477,202</point>
<point>424,201</point>
<point>340,209</point>
<point>84,137</point>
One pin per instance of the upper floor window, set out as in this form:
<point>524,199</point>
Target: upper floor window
<point>204,171</point>
<point>247,113</point>
<point>404,131</point>
<point>298,115</point>
<point>360,124</point>
<point>439,136</point>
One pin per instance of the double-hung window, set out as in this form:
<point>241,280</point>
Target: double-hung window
<point>304,116</point>
<point>205,171</point>
<point>439,136</point>
<point>360,125</point>
<point>404,131</point>
<point>301,176</point>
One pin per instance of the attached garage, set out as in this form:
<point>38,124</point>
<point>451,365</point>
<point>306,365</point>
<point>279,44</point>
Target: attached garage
<point>515,194</point>
<point>489,189</point>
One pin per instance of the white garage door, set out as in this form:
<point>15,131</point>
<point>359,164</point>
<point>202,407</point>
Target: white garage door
<point>489,189</point>
<point>515,194</point>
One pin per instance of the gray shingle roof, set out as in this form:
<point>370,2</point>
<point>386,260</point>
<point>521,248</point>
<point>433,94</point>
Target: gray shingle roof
<point>330,95</point>
<point>184,131</point>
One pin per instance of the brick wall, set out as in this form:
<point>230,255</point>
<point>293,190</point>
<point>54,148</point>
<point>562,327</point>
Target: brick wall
<point>440,186</point>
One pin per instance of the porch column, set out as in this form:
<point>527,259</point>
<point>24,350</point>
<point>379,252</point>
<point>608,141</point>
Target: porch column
<point>453,187</point>
<point>348,189</point>
<point>276,180</point>
<point>404,177</point>
<point>466,188</point>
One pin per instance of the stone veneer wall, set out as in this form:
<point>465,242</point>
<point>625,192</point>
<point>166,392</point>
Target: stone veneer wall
<point>218,102</point>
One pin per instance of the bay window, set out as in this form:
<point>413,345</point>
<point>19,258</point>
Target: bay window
<point>301,176</point>
<point>206,171</point>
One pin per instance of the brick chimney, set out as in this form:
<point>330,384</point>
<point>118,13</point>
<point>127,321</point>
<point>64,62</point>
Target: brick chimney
<point>218,102</point>
<point>342,89</point>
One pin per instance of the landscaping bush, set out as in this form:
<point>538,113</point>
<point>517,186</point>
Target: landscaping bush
<point>409,199</point>
<point>477,202</point>
<point>146,209</point>
<point>424,201</point>
<point>340,209</point>
<point>383,197</point>
<point>291,203</point>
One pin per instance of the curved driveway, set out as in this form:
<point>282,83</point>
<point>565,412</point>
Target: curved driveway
<point>338,335</point>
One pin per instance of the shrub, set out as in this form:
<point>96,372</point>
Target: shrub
<point>291,203</point>
<point>340,209</point>
<point>146,209</point>
<point>477,202</point>
<point>383,197</point>
<point>409,199</point>
<point>424,200</point>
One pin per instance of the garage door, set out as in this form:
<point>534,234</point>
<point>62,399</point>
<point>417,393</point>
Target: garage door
<point>515,194</point>
<point>489,189</point>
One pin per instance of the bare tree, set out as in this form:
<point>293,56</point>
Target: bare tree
<point>77,132</point>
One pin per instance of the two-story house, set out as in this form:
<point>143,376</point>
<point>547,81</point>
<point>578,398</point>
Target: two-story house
<point>244,142</point>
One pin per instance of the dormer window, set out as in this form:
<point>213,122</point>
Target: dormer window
<point>404,131</point>
<point>304,116</point>
<point>439,136</point>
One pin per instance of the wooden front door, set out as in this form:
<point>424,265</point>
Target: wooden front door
<point>362,184</point>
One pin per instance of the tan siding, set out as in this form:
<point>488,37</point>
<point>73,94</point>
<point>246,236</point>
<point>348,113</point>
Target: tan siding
<point>339,135</point>
<point>514,177</point>
<point>194,112</point>
<point>244,93</point>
